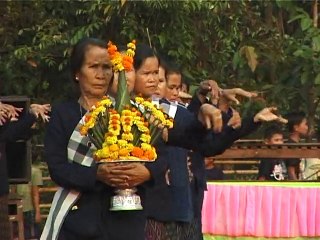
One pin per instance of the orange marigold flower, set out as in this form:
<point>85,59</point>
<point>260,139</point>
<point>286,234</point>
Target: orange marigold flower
<point>115,118</point>
<point>137,152</point>
<point>127,66</point>
<point>83,130</point>
<point>123,152</point>
<point>112,49</point>
<point>87,118</point>
<point>114,148</point>
<point>150,154</point>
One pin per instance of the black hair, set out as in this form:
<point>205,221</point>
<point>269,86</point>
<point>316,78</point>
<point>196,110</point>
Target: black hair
<point>271,130</point>
<point>169,67</point>
<point>184,81</point>
<point>143,52</point>
<point>294,119</point>
<point>173,69</point>
<point>78,53</point>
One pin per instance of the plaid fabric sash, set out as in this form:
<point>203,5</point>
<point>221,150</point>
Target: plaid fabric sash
<point>80,152</point>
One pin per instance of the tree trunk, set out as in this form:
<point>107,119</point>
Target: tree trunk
<point>315,13</point>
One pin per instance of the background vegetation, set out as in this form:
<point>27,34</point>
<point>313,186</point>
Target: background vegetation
<point>269,46</point>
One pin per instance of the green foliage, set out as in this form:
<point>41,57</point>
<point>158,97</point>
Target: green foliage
<point>271,47</point>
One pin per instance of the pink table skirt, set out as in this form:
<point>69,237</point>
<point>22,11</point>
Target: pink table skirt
<point>262,209</point>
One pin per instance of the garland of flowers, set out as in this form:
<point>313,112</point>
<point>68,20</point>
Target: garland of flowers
<point>128,134</point>
<point>120,61</point>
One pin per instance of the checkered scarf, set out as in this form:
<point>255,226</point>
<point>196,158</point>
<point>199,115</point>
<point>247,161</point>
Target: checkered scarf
<point>81,151</point>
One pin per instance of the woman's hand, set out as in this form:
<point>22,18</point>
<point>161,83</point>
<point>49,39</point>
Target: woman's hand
<point>123,176</point>
<point>41,111</point>
<point>235,120</point>
<point>231,94</point>
<point>8,111</point>
<point>268,114</point>
<point>209,87</point>
<point>108,173</point>
<point>210,117</point>
<point>136,174</point>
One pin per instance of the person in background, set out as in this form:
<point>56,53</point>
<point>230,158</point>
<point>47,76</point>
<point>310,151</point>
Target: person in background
<point>212,171</point>
<point>298,127</point>
<point>31,204</point>
<point>12,129</point>
<point>272,169</point>
<point>185,87</point>
<point>6,113</point>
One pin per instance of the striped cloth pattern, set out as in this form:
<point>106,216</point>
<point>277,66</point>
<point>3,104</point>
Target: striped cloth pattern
<point>81,151</point>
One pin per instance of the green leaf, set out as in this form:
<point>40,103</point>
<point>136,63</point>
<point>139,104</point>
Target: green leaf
<point>236,60</point>
<point>305,23</point>
<point>123,97</point>
<point>304,77</point>
<point>317,79</point>
<point>316,43</point>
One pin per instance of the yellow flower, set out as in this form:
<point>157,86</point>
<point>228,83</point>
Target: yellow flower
<point>127,136</point>
<point>145,146</point>
<point>114,155</point>
<point>126,128</point>
<point>142,128</point>
<point>146,138</point>
<point>113,148</point>
<point>132,45</point>
<point>130,53</point>
<point>130,147</point>
<point>83,130</point>
<point>139,100</point>
<point>122,143</point>
<point>111,140</point>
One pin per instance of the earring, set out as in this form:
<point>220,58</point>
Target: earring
<point>77,78</point>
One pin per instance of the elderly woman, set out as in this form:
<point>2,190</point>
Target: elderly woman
<point>80,209</point>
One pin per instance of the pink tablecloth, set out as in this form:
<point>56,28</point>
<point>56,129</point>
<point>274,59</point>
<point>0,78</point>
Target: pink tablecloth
<point>262,209</point>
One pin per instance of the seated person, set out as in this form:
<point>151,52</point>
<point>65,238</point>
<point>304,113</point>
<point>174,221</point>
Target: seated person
<point>272,169</point>
<point>213,172</point>
<point>298,128</point>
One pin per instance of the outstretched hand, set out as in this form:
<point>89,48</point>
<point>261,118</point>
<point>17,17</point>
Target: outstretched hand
<point>269,114</point>
<point>231,94</point>
<point>210,117</point>
<point>209,87</point>
<point>235,120</point>
<point>8,112</point>
<point>41,111</point>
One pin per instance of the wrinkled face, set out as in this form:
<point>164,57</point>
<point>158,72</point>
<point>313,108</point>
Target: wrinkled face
<point>96,72</point>
<point>161,90</point>
<point>130,76</point>
<point>173,86</point>
<point>147,77</point>
<point>276,138</point>
<point>302,128</point>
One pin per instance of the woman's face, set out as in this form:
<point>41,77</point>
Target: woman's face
<point>173,87</point>
<point>147,77</point>
<point>96,72</point>
<point>302,128</point>
<point>131,77</point>
<point>161,90</point>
